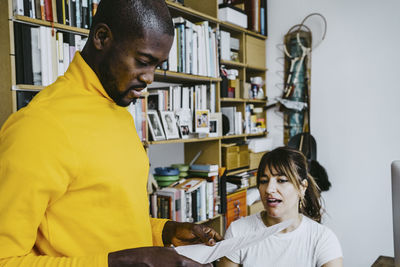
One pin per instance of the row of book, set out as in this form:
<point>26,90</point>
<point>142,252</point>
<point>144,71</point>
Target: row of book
<point>42,54</point>
<point>256,11</point>
<point>76,13</point>
<point>177,97</point>
<point>195,48</point>
<point>189,200</point>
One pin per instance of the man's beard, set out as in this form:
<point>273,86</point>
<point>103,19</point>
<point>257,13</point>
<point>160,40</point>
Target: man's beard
<point>110,85</point>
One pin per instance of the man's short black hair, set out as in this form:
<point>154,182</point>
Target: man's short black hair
<point>130,18</point>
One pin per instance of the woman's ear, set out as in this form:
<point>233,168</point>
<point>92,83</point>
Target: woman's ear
<point>303,186</point>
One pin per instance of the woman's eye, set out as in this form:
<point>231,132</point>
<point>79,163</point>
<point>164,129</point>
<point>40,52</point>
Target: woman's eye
<point>282,181</point>
<point>263,181</point>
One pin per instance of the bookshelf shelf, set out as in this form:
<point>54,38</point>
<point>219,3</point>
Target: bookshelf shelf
<point>242,135</point>
<point>191,140</point>
<point>256,68</point>
<point>210,219</point>
<point>55,25</point>
<point>240,100</point>
<point>233,63</point>
<point>188,11</point>
<point>26,87</point>
<point>233,27</point>
<point>197,140</point>
<point>171,76</point>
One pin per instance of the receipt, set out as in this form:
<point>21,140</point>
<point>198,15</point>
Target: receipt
<point>206,254</point>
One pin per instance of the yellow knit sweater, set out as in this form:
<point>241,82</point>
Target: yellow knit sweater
<point>73,176</point>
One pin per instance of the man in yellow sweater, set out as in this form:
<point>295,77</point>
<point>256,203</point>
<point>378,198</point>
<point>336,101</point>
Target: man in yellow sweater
<point>73,171</point>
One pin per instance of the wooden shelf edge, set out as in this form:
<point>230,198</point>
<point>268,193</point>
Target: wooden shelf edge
<point>190,11</point>
<point>24,19</point>
<point>255,68</point>
<point>218,216</point>
<point>227,99</point>
<point>191,140</point>
<point>232,63</point>
<point>185,76</point>
<point>27,87</point>
<point>237,28</point>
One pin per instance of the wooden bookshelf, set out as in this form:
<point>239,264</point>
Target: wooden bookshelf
<point>55,25</point>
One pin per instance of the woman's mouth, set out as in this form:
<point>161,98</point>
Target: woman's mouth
<point>273,202</point>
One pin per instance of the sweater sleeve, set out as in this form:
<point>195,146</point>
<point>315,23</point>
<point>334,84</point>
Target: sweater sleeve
<point>157,226</point>
<point>36,167</point>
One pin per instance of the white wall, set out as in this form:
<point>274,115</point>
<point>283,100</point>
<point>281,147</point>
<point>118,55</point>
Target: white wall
<point>355,95</point>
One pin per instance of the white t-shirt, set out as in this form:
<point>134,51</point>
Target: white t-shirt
<point>310,245</point>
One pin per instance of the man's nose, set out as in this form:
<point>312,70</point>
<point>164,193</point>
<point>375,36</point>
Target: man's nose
<point>147,77</point>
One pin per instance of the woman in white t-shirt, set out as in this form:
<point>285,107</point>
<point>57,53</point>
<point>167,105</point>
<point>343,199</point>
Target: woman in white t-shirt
<point>287,192</point>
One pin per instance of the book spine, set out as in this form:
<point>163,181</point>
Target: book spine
<point>84,14</point>
<point>27,8</point>
<point>48,10</point>
<point>59,10</point>
<point>78,13</point>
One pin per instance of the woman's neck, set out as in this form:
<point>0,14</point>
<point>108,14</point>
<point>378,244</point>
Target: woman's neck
<point>269,221</point>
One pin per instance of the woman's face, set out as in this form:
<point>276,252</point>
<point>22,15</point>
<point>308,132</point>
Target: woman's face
<point>279,195</point>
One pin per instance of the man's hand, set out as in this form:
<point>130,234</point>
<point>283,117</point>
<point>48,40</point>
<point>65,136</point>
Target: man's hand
<point>150,257</point>
<point>180,234</point>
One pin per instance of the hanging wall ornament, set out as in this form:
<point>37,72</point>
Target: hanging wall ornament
<point>298,46</point>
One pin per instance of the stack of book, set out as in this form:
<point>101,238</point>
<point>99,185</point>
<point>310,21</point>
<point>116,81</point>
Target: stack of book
<point>190,200</point>
<point>195,49</point>
<point>41,55</point>
<point>76,13</point>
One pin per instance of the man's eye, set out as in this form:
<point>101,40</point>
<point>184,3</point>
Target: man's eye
<point>142,63</point>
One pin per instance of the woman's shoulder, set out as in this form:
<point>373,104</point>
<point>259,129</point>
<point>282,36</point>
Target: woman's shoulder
<point>317,229</point>
<point>245,225</point>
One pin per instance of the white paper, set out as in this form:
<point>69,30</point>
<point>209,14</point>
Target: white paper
<point>206,254</point>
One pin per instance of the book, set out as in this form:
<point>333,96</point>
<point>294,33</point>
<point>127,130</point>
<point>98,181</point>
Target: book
<point>48,10</point>
<point>204,167</point>
<point>202,173</point>
<point>173,54</point>
<point>36,58</point>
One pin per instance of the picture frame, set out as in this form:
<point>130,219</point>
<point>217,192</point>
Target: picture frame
<point>169,123</point>
<point>184,131</point>
<point>185,118</point>
<point>155,125</point>
<point>215,124</point>
<point>202,121</point>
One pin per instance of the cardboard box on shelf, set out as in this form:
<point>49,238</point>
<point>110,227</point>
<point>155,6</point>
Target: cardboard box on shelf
<point>255,159</point>
<point>235,156</point>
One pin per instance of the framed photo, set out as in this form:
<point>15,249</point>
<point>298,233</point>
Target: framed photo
<point>169,123</point>
<point>185,118</point>
<point>155,126</point>
<point>215,124</point>
<point>185,131</point>
<point>202,121</point>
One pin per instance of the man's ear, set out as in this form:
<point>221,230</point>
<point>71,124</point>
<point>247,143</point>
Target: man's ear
<point>103,37</point>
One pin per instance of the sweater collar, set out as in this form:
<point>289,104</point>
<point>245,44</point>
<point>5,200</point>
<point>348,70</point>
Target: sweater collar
<point>81,72</point>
